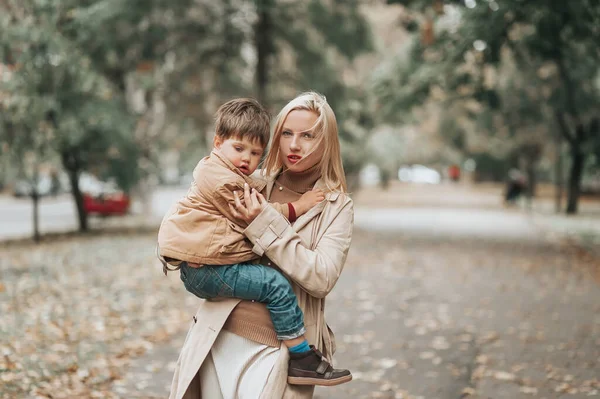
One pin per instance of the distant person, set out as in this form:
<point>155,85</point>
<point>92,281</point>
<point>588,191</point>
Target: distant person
<point>203,236</point>
<point>515,186</point>
<point>454,173</point>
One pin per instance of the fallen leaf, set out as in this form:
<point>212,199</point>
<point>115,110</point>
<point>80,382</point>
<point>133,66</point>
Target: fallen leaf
<point>482,359</point>
<point>562,388</point>
<point>504,376</point>
<point>387,363</point>
<point>529,390</point>
<point>440,343</point>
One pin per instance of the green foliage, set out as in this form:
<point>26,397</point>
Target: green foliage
<point>544,56</point>
<point>342,26</point>
<point>323,38</point>
<point>535,32</point>
<point>77,61</point>
<point>490,167</point>
<point>56,91</point>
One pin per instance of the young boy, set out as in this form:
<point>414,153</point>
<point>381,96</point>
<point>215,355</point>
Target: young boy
<point>201,231</point>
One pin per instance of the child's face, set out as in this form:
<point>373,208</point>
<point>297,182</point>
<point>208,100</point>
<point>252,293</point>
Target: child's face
<point>242,153</point>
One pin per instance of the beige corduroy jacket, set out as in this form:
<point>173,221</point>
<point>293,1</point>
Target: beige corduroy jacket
<point>312,252</point>
<point>200,228</point>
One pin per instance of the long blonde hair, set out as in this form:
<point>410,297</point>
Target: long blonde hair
<point>326,132</point>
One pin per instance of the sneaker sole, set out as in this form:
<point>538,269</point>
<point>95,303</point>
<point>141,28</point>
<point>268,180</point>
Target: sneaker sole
<point>319,381</point>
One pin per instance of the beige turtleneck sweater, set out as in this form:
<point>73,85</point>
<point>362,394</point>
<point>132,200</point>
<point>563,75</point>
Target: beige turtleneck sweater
<point>251,319</point>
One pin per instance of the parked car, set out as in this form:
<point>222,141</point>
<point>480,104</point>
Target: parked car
<point>24,188</point>
<point>370,175</point>
<point>106,204</point>
<point>101,197</point>
<point>419,174</point>
<point>49,183</point>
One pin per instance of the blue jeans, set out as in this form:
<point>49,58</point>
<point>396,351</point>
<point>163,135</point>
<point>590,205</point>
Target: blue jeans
<point>251,282</point>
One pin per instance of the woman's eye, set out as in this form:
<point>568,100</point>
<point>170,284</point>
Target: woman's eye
<point>307,135</point>
<point>286,133</point>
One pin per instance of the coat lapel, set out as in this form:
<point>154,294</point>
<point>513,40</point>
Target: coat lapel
<point>314,211</point>
<point>269,186</point>
<point>308,216</point>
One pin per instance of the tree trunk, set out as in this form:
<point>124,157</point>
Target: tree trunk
<point>78,197</point>
<point>558,175</point>
<point>575,175</point>
<point>576,141</point>
<point>73,169</point>
<point>531,182</point>
<point>262,42</point>
<point>35,198</point>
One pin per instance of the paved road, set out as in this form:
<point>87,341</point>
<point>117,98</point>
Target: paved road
<point>443,301</point>
<point>445,294</point>
<point>59,215</point>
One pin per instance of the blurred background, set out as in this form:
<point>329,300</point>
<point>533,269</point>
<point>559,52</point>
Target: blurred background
<point>470,130</point>
<point>102,96</point>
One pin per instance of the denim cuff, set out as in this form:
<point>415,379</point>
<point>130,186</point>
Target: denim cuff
<point>292,335</point>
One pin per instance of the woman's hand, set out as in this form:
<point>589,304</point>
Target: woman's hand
<point>254,203</point>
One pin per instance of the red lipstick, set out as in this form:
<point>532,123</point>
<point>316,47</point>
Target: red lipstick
<point>293,158</point>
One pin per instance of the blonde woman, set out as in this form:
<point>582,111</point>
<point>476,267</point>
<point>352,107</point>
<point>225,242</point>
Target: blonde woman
<point>232,350</point>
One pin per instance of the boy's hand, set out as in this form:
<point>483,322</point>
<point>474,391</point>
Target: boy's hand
<point>253,204</point>
<point>308,200</point>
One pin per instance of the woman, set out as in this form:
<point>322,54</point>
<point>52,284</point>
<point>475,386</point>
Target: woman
<point>231,350</point>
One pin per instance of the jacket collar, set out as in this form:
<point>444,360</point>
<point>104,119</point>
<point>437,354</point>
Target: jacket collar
<point>217,157</point>
<point>330,196</point>
<point>315,210</point>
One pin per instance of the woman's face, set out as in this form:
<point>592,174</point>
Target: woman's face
<point>297,141</point>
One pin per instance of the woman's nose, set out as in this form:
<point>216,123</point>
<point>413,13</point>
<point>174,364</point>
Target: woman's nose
<point>294,144</point>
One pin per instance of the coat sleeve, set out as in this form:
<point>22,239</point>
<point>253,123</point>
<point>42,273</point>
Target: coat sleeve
<point>315,270</point>
<point>223,196</point>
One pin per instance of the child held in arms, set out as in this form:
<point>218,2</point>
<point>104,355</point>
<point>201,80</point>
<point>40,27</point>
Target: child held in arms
<point>201,236</point>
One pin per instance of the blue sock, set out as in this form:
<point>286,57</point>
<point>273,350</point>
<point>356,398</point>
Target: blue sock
<point>300,348</point>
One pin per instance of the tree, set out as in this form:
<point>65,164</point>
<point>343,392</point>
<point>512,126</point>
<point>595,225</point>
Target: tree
<point>555,41</point>
<point>76,106</point>
<point>137,78</point>
<point>309,45</point>
<point>29,143</point>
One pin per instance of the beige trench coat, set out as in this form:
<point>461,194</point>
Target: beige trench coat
<point>312,253</point>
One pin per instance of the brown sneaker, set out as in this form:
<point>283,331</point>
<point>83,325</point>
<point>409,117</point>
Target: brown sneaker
<point>311,368</point>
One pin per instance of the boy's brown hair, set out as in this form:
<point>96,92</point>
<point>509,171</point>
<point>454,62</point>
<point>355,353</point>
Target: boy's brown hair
<point>243,118</point>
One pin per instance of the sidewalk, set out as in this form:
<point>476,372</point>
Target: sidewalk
<point>582,228</point>
<point>58,216</point>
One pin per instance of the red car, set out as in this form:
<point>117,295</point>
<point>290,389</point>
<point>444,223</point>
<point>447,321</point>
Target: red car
<point>106,204</point>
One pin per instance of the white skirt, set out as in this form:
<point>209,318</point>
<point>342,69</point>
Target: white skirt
<point>236,368</point>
